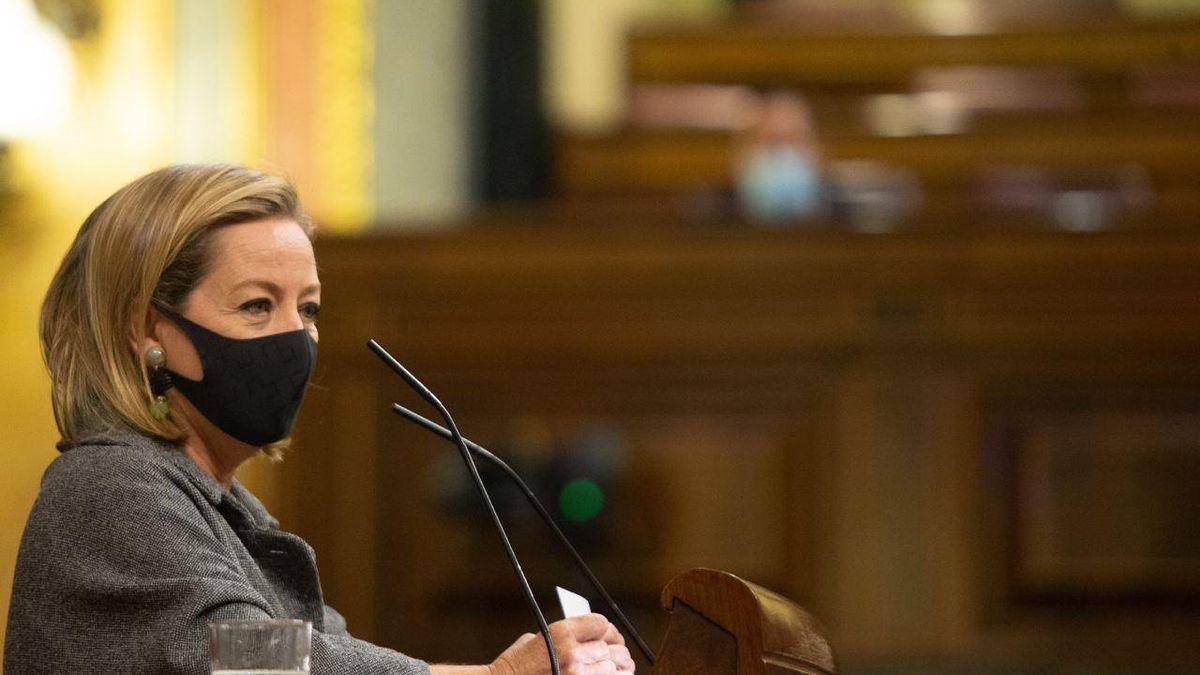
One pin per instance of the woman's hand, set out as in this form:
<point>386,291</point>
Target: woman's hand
<point>586,644</point>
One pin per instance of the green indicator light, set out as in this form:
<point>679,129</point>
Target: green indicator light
<point>581,499</point>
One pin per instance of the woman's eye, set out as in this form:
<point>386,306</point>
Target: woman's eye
<point>256,307</point>
<point>310,310</point>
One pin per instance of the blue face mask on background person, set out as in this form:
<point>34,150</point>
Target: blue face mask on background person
<point>779,184</point>
<point>251,388</point>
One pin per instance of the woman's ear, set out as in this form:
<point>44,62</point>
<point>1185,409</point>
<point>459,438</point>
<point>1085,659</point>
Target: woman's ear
<point>149,335</point>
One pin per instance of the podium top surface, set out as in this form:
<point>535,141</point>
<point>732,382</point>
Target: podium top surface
<point>773,633</point>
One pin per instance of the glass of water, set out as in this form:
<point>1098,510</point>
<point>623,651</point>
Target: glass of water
<point>275,647</point>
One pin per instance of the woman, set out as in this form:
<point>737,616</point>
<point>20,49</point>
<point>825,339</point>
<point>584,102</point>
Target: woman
<point>180,332</point>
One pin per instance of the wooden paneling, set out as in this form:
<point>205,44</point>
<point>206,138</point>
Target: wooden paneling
<point>810,410</point>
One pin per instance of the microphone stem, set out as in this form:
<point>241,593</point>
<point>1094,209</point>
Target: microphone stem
<point>428,395</point>
<point>537,505</point>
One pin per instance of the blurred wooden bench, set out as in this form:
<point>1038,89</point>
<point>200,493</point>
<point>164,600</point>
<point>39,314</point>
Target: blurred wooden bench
<point>783,56</point>
<point>1109,132</point>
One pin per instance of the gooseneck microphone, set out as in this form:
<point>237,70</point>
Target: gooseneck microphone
<point>483,452</point>
<point>426,394</point>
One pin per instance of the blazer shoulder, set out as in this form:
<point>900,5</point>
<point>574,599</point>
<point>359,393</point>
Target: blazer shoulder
<point>93,466</point>
<point>124,474</point>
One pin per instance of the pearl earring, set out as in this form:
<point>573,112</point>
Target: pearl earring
<point>160,382</point>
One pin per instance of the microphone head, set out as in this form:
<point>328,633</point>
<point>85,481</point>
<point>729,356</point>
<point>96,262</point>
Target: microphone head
<point>416,384</point>
<point>391,362</point>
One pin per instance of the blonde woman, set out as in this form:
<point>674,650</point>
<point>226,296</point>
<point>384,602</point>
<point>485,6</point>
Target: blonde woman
<point>180,332</point>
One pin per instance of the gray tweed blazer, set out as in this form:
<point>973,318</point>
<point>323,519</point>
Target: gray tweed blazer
<point>131,549</point>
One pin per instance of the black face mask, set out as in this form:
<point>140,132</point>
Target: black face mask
<point>252,388</point>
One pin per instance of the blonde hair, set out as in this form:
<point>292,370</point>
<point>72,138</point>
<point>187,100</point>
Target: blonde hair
<point>148,242</point>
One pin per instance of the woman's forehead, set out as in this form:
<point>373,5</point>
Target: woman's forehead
<point>275,249</point>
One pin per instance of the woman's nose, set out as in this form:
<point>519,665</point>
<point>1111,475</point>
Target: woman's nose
<point>289,320</point>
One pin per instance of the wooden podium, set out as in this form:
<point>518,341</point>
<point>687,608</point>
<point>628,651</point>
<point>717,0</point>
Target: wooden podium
<point>721,624</point>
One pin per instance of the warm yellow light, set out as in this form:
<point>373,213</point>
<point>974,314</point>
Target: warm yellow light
<point>36,72</point>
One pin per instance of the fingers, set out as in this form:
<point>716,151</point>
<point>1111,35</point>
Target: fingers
<point>526,638</point>
<point>598,668</point>
<point>576,656</point>
<point>600,657</point>
<point>602,667</point>
<point>589,644</point>
<point>590,652</point>
<point>587,627</point>
<point>613,636</point>
<point>619,655</point>
<point>590,627</point>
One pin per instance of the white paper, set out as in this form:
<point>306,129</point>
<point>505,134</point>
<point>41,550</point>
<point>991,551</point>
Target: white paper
<point>573,604</point>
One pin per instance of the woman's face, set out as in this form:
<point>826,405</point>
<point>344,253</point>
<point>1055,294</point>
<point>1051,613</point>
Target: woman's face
<point>261,280</point>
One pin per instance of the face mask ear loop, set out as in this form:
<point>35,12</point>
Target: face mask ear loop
<point>172,314</point>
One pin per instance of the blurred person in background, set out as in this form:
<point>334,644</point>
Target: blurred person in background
<point>778,166</point>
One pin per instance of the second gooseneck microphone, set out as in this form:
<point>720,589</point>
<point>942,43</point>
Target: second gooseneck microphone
<point>426,394</point>
<point>545,515</point>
